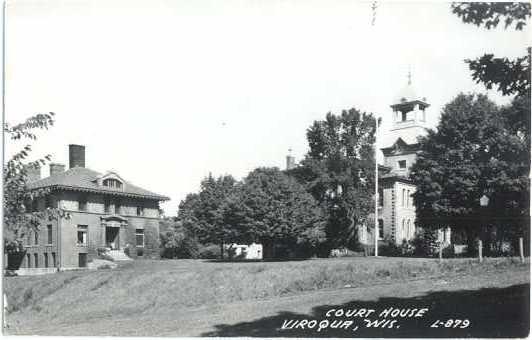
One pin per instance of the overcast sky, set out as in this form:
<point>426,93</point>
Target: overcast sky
<point>165,92</point>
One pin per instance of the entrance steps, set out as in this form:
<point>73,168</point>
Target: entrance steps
<point>118,255</point>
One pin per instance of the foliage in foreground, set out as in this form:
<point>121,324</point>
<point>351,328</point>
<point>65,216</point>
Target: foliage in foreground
<point>19,218</point>
<point>510,76</point>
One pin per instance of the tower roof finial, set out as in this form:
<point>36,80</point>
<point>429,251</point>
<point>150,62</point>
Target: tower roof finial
<point>409,76</point>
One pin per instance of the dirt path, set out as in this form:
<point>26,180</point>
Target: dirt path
<point>495,303</point>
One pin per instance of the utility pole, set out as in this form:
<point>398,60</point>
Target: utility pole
<point>376,231</point>
<point>376,189</point>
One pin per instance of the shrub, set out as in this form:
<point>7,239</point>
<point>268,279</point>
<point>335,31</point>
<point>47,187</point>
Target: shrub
<point>448,251</point>
<point>389,248</point>
<point>407,248</point>
<point>426,243</point>
<point>177,243</point>
<point>209,251</point>
<point>101,250</point>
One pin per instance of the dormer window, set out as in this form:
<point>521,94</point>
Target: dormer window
<point>402,164</point>
<point>112,183</point>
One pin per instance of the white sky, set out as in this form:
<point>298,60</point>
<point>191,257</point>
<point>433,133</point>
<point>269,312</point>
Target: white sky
<point>164,92</point>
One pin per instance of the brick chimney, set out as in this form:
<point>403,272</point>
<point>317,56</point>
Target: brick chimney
<point>56,168</point>
<point>33,173</point>
<point>76,156</point>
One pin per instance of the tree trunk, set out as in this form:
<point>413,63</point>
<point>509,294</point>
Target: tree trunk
<point>351,229</point>
<point>222,250</point>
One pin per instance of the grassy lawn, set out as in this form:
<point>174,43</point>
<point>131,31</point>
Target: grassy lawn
<point>161,287</point>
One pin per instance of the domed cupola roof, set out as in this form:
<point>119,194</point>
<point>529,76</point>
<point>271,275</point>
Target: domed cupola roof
<point>408,94</point>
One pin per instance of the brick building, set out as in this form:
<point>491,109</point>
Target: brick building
<point>105,212</point>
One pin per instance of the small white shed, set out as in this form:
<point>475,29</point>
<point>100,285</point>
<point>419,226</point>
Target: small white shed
<point>246,251</point>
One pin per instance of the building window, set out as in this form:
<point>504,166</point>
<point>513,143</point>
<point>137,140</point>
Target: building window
<point>403,230</point>
<point>112,183</point>
<point>402,164</point>
<point>408,198</point>
<point>403,198</point>
<point>82,203</point>
<point>28,260</point>
<point>118,207</point>
<point>140,211</point>
<point>381,228</point>
<point>28,238</point>
<point>36,260</point>
<point>381,197</point>
<point>46,264</point>
<point>139,236</point>
<point>107,206</point>
<point>49,233</point>
<point>36,238</point>
<point>53,260</point>
<point>403,116</point>
<point>47,202</point>
<point>82,235</point>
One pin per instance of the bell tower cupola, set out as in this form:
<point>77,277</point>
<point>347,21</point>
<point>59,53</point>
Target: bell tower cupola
<point>409,109</point>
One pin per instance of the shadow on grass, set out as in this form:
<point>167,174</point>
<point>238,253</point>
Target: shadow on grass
<point>492,312</point>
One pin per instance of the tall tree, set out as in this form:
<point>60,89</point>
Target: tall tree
<point>19,219</point>
<point>474,152</point>
<point>275,209</point>
<point>176,241</point>
<point>339,172</point>
<point>204,214</point>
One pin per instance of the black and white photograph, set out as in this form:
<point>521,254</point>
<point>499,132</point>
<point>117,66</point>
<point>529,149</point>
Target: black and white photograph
<point>268,169</point>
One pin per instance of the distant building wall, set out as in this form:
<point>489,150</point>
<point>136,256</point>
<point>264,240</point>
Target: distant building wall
<point>405,211</point>
<point>387,211</point>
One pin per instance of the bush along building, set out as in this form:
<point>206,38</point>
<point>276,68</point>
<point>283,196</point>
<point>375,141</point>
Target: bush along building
<point>396,212</point>
<point>107,215</point>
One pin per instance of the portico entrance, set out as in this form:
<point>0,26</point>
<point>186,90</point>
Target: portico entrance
<point>112,237</point>
<point>113,231</point>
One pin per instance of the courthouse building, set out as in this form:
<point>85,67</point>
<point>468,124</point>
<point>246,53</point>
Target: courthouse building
<point>106,214</point>
<point>396,212</point>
